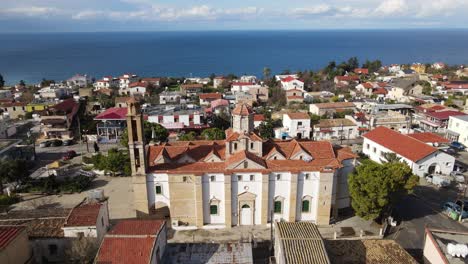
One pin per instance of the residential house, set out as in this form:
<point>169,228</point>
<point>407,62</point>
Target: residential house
<point>125,80</point>
<point>191,89</point>
<point>14,245</point>
<point>245,98</point>
<point>295,95</point>
<point>238,87</point>
<point>346,80</point>
<point>156,82</point>
<point>85,92</point>
<point>282,76</point>
<point>258,119</point>
<point>218,81</point>
<point>219,106</point>
<point>336,129</point>
<point>106,82</point>
<point>134,241</point>
<point>400,88</point>
<point>290,83</point>
<point>295,125</point>
<point>438,121</point>
<point>57,120</point>
<point>138,89</point>
<point>331,108</point>
<point>54,92</point>
<point>418,67</point>
<point>438,65</point>
<point>112,123</point>
<point>207,98</point>
<point>88,219</point>
<point>394,68</point>
<point>457,129</point>
<point>14,110</point>
<point>53,231</point>
<point>79,80</point>
<point>248,78</point>
<point>122,101</point>
<point>390,119</point>
<point>177,117</point>
<point>420,157</point>
<point>456,87</point>
<point>444,246</point>
<point>258,92</point>
<point>169,97</point>
<point>7,127</point>
<point>361,71</point>
<point>203,81</point>
<point>239,180</point>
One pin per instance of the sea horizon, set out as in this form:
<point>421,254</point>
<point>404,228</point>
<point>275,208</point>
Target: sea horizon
<point>59,55</point>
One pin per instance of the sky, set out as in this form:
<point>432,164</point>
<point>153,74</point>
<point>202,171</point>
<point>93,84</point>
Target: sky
<point>174,15</point>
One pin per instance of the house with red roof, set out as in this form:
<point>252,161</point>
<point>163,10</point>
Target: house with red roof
<point>290,83</point>
<point>258,119</point>
<point>294,95</point>
<point>14,245</point>
<point>361,71</point>
<point>421,158</point>
<point>207,98</point>
<point>88,219</point>
<point>134,242</point>
<point>218,81</point>
<point>135,89</point>
<point>57,120</point>
<point>112,123</point>
<point>437,121</point>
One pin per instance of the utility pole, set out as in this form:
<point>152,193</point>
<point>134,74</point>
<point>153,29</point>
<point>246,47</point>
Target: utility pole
<point>81,138</point>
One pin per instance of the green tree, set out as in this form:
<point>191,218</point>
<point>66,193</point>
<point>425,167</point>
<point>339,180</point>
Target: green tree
<point>22,83</point>
<point>221,121</point>
<point>353,63</point>
<point>13,171</point>
<point>375,188</point>
<point>265,129</point>
<point>266,73</point>
<point>314,119</point>
<point>190,136</point>
<point>213,134</point>
<point>117,161</point>
<point>2,81</point>
<point>427,88</point>
<point>389,157</point>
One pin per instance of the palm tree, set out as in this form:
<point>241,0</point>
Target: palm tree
<point>266,72</point>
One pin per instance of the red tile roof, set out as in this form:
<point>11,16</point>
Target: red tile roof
<point>428,137</point>
<point>403,145</point>
<point>8,234</point>
<point>298,115</point>
<point>368,85</point>
<point>361,71</point>
<point>443,115</point>
<point>380,91</point>
<point>115,113</point>
<point>84,215</point>
<point>335,105</point>
<point>126,250</point>
<point>219,102</point>
<point>137,84</point>
<point>242,109</point>
<point>210,96</point>
<point>347,78</point>
<point>288,79</point>
<point>137,227</point>
<point>259,117</point>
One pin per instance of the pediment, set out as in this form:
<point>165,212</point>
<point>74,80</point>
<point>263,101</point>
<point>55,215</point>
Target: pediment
<point>212,158</point>
<point>246,196</point>
<point>250,165</point>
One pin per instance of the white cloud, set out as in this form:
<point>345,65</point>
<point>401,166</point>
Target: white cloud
<point>313,10</point>
<point>441,7</point>
<point>392,7</point>
<point>30,11</point>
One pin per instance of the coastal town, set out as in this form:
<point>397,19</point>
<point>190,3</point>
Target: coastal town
<point>352,163</point>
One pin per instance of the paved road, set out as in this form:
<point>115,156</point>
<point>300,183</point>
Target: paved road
<point>417,214</point>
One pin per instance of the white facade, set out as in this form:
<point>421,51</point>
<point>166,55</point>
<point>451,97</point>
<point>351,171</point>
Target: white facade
<point>242,87</point>
<point>248,78</point>
<point>98,230</point>
<point>336,132</point>
<point>294,128</point>
<point>280,184</point>
<point>292,84</point>
<point>106,82</point>
<point>457,129</point>
<point>440,161</point>
<point>126,79</point>
<point>185,119</point>
<point>137,90</point>
<point>169,97</point>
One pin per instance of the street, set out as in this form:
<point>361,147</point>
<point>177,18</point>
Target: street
<point>418,212</point>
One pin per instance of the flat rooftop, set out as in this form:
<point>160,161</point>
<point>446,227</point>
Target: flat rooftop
<point>444,238</point>
<point>209,253</point>
<point>370,251</point>
<point>171,110</point>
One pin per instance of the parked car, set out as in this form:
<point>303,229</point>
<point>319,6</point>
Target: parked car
<point>68,142</point>
<point>69,155</point>
<point>56,143</point>
<point>438,180</point>
<point>457,145</point>
<point>450,207</point>
<point>44,144</point>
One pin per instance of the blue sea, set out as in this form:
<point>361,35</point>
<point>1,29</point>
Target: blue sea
<point>58,56</point>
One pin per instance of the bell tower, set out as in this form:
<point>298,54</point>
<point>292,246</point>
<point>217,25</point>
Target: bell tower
<point>242,119</point>
<point>136,147</point>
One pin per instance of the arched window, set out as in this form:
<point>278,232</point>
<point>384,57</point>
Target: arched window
<point>306,202</point>
<point>278,205</point>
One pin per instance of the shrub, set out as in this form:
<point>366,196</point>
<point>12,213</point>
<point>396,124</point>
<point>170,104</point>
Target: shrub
<point>8,200</point>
